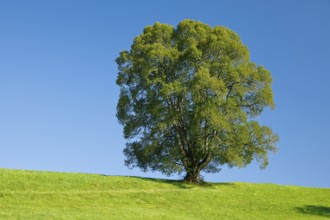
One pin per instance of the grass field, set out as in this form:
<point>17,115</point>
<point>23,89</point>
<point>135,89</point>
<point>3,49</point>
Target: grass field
<point>50,195</point>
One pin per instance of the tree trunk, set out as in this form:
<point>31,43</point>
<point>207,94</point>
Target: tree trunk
<point>193,176</point>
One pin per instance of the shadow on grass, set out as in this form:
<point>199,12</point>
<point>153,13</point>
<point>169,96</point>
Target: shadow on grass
<point>323,211</point>
<point>178,183</point>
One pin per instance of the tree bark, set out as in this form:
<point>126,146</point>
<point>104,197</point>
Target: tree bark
<point>193,176</point>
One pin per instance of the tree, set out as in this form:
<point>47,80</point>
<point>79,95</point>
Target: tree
<point>189,99</point>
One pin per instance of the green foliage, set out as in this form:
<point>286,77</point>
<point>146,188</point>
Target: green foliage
<point>189,98</point>
<point>44,195</point>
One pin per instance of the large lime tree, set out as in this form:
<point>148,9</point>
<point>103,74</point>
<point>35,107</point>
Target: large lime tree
<point>189,97</point>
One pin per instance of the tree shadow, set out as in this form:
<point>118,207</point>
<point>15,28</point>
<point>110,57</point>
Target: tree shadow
<point>323,211</point>
<point>178,183</point>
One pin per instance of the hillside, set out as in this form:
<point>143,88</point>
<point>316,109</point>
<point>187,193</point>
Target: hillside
<point>50,195</point>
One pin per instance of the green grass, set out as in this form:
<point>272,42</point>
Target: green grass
<point>49,195</point>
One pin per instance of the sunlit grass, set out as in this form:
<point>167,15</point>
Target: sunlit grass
<point>50,195</point>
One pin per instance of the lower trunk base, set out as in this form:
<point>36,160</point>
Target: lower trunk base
<point>194,178</point>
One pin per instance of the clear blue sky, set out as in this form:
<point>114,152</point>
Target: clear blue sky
<point>58,94</point>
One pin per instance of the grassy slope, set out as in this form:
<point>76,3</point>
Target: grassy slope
<point>47,195</point>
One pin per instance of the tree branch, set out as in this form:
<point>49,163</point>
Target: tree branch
<point>230,88</point>
<point>205,161</point>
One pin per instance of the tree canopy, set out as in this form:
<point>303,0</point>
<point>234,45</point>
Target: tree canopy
<point>189,98</point>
